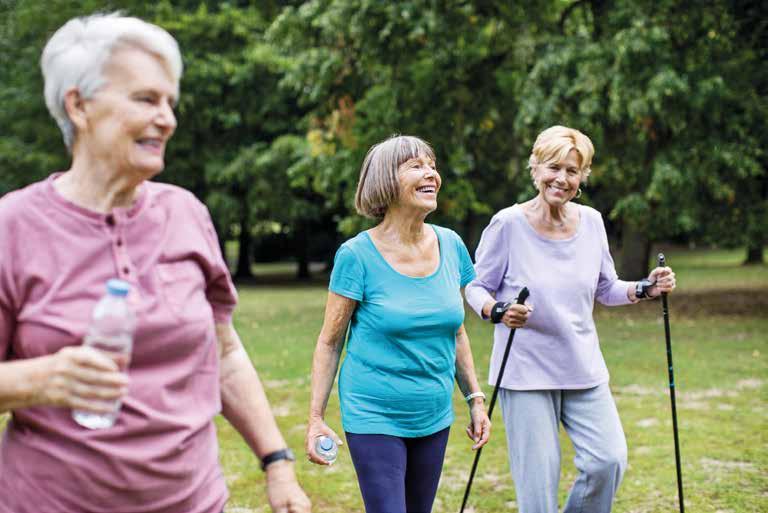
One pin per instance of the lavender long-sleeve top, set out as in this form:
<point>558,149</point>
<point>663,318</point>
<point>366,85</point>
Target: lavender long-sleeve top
<point>558,348</point>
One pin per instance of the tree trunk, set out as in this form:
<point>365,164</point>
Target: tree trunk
<point>222,238</point>
<point>302,252</point>
<point>470,236</point>
<point>757,225</point>
<point>635,251</point>
<point>246,243</point>
<point>754,254</point>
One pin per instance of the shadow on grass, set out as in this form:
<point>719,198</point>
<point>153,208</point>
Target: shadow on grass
<point>733,302</point>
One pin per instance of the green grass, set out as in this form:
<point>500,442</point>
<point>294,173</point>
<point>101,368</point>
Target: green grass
<point>721,370</point>
<point>705,269</point>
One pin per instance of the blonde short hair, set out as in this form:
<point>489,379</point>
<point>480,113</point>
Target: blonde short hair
<point>379,186</point>
<point>554,144</point>
<point>77,52</point>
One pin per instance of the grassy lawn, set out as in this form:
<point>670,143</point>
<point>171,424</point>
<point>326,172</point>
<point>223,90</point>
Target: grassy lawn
<point>721,364</point>
<point>722,395</point>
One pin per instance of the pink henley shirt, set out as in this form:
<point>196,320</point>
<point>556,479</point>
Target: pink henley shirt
<point>161,456</point>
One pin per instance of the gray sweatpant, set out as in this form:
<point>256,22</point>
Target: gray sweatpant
<point>532,421</point>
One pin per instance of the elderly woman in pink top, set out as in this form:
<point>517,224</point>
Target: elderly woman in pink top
<point>111,83</point>
<point>556,373</point>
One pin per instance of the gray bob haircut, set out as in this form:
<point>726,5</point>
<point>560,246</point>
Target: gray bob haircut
<point>379,187</point>
<point>76,54</point>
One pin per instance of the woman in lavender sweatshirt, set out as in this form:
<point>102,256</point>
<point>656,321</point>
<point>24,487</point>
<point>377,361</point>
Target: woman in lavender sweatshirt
<point>556,372</point>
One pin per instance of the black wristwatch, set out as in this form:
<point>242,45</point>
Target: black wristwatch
<point>642,287</point>
<point>498,310</point>
<point>282,454</point>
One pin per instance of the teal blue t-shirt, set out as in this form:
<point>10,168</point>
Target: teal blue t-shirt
<point>397,376</point>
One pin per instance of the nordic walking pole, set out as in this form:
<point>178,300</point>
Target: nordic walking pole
<point>520,300</point>
<point>662,263</point>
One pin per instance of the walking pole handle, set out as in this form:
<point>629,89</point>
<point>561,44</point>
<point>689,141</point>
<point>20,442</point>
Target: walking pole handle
<point>523,295</point>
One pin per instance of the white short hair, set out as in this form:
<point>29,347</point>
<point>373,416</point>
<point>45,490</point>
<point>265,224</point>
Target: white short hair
<point>75,55</point>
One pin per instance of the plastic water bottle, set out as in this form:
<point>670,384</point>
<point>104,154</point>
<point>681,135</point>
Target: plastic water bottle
<point>327,449</point>
<point>112,325</point>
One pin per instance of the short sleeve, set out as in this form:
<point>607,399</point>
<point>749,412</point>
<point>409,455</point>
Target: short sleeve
<point>219,288</point>
<point>466,268</point>
<point>347,275</point>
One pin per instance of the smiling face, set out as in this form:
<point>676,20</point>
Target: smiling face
<point>558,182</point>
<point>128,122</point>
<point>419,183</point>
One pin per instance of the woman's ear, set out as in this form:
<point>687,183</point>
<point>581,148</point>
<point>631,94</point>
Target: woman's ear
<point>74,104</point>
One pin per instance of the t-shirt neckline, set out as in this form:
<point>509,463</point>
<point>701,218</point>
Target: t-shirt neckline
<point>389,266</point>
<point>524,219</point>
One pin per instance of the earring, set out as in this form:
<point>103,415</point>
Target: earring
<point>578,194</point>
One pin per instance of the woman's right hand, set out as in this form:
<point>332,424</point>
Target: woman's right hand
<point>315,429</point>
<point>82,378</point>
<point>516,315</point>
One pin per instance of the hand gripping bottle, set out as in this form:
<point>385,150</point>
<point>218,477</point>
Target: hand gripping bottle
<point>111,330</point>
<point>326,448</point>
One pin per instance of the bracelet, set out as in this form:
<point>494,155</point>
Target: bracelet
<point>473,395</point>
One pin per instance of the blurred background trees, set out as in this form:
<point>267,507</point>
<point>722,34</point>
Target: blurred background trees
<point>281,100</point>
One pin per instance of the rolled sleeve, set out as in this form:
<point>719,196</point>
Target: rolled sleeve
<point>219,288</point>
<point>491,260</point>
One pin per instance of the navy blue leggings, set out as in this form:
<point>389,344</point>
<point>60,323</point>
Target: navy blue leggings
<point>398,475</point>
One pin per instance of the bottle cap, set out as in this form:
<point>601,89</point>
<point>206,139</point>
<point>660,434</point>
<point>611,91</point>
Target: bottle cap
<point>326,443</point>
<point>118,288</point>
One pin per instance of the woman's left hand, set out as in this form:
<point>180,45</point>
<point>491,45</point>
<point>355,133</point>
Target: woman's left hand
<point>479,428</point>
<point>664,281</point>
<point>284,493</point>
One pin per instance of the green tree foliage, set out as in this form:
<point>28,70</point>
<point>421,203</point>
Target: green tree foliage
<point>233,117</point>
<point>281,100</point>
<point>667,93</point>
<point>445,71</point>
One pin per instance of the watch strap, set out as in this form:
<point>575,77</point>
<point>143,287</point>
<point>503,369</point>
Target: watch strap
<point>281,454</point>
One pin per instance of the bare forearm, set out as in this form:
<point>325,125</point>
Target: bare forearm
<point>244,403</point>
<point>325,364</point>
<point>20,382</point>
<point>465,366</point>
<point>487,306</point>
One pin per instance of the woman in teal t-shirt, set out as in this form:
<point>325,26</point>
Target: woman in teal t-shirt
<point>398,287</point>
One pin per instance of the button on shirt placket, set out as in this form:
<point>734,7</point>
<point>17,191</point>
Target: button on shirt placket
<point>125,268</point>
